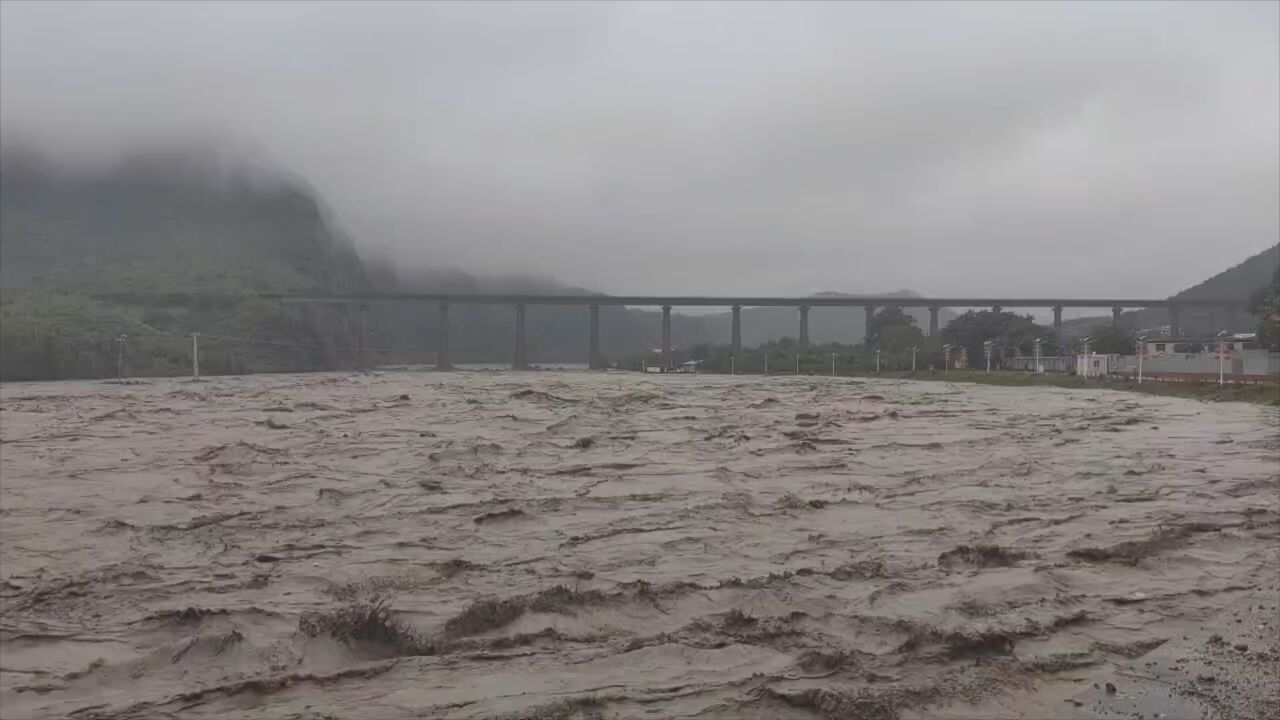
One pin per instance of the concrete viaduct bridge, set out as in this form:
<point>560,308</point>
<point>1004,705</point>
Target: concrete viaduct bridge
<point>869,304</point>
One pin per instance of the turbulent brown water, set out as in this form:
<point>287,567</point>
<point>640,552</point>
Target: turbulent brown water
<point>562,545</point>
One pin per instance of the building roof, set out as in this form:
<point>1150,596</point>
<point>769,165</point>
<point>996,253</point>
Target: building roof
<point>1241,337</point>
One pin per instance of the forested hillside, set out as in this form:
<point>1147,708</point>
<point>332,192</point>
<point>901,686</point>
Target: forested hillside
<point>155,249</point>
<point>1238,283</point>
<point>826,324</point>
<point>212,240</point>
<point>162,225</point>
<point>1235,284</point>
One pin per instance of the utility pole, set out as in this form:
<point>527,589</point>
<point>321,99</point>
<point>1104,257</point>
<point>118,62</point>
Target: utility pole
<point>1141,350</point>
<point>120,341</point>
<point>877,361</point>
<point>833,364</point>
<point>195,357</point>
<point>360,339</point>
<point>733,369</point>
<point>913,358</point>
<point>797,363</point>
<point>1222,357</point>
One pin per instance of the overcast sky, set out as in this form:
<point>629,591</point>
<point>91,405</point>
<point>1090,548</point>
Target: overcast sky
<point>1020,148</point>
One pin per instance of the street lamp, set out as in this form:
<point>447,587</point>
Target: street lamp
<point>195,357</point>
<point>1085,341</point>
<point>913,358</point>
<point>986,349</point>
<point>877,360</point>
<point>1222,356</point>
<point>946,357</point>
<point>120,341</point>
<point>1141,350</point>
<point>833,364</point>
<point>1037,368</point>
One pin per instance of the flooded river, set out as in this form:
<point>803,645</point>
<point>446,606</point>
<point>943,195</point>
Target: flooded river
<point>574,545</point>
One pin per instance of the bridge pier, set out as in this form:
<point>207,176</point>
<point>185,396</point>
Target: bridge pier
<point>1057,329</point>
<point>933,322</point>
<point>521,360</point>
<point>594,361</point>
<point>443,362</point>
<point>737,331</point>
<point>1115,316</point>
<point>666,338</point>
<point>804,326</point>
<point>866,333</point>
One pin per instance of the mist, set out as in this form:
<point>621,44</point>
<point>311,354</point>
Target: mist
<point>1021,149</point>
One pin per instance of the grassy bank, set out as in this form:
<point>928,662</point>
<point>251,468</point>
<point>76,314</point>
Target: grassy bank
<point>1261,393</point>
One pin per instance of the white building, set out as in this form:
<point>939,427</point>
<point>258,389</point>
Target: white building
<point>1171,345</point>
<point>1095,365</point>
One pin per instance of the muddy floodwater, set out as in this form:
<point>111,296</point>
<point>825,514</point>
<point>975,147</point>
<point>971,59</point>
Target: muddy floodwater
<point>575,545</point>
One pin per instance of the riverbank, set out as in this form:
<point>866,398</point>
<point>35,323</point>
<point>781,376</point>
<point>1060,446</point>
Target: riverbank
<point>1259,393</point>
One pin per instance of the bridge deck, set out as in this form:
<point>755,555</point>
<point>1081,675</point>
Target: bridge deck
<point>730,301</point>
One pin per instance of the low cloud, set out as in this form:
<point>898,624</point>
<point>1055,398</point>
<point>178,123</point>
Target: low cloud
<point>1083,148</point>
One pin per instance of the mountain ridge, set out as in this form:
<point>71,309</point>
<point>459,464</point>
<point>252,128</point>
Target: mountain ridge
<point>166,227</point>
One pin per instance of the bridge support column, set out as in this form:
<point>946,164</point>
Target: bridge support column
<point>737,332</point>
<point>804,326</point>
<point>443,361</point>
<point>666,338</point>
<point>521,361</point>
<point>866,333</point>
<point>594,361</point>
<point>1175,320</point>
<point>933,322</point>
<point>1115,316</point>
<point>1057,329</point>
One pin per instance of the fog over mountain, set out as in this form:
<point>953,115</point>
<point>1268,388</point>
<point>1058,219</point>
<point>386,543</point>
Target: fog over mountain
<point>650,147</point>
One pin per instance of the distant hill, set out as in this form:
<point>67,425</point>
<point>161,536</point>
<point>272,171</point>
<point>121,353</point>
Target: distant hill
<point>181,224</point>
<point>163,224</point>
<point>842,325</point>
<point>1235,284</point>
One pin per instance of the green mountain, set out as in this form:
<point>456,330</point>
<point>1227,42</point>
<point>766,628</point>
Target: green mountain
<point>837,325</point>
<point>1235,284</point>
<point>162,246</point>
<point>163,224</point>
